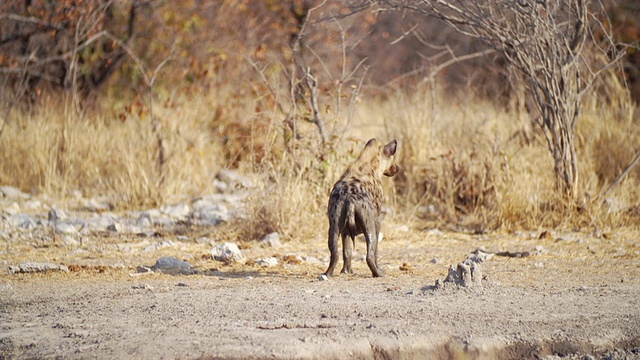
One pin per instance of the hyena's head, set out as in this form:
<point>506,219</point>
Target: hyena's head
<point>380,157</point>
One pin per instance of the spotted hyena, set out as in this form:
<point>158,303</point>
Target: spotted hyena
<point>355,202</point>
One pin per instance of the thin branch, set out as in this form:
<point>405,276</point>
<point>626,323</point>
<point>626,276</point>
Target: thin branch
<point>312,84</point>
<point>618,179</point>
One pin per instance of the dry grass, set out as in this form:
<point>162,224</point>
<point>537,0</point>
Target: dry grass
<point>468,165</point>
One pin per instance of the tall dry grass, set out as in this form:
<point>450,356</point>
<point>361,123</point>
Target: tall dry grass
<point>468,164</point>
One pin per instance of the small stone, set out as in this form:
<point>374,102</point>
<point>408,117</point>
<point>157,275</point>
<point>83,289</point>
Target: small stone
<point>11,192</point>
<point>227,252</point>
<point>34,267</point>
<point>220,186</point>
<point>234,178</point>
<point>141,287</point>
<point>467,274</point>
<point>323,277</point>
<point>267,262</point>
<point>171,265</point>
<point>32,204</point>
<point>66,228</point>
<point>98,204</point>
<point>435,232</point>
<point>23,221</point>
<point>293,259</point>
<point>56,215</point>
<point>271,240</point>
<point>12,209</point>
<point>312,260</point>
<point>144,220</point>
<point>479,256</point>
<point>115,227</point>
<point>158,245</point>
<point>208,214</point>
<point>143,270</point>
<point>179,210</point>
<point>205,240</point>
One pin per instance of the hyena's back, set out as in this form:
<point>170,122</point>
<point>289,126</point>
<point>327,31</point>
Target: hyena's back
<point>352,205</point>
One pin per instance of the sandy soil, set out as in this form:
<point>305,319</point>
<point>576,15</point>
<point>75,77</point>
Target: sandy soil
<point>576,295</point>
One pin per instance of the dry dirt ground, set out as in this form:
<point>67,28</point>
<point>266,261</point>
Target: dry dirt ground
<point>576,296</point>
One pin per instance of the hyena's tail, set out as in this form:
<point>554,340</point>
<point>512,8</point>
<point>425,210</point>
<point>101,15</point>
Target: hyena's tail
<point>351,221</point>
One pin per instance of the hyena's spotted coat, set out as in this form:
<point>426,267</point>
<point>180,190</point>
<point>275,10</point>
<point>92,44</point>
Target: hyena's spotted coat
<point>355,205</point>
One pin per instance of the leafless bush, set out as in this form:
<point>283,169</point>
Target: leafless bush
<point>552,45</point>
<point>61,44</point>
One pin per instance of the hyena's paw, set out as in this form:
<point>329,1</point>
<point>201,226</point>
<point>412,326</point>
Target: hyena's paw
<point>378,273</point>
<point>346,271</point>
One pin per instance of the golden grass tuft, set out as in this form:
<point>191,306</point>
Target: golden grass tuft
<point>467,164</point>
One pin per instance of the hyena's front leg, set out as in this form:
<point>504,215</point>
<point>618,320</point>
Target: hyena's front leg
<point>334,232</point>
<point>372,256</point>
<point>378,241</point>
<point>346,254</point>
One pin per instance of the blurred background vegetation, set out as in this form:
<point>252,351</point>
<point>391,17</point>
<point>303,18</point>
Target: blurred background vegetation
<point>144,101</point>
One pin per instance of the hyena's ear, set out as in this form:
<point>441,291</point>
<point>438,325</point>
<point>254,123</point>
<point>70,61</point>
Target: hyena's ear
<point>390,148</point>
<point>370,142</point>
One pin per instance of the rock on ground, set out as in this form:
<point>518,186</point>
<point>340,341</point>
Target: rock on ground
<point>34,267</point>
<point>227,252</point>
<point>171,265</point>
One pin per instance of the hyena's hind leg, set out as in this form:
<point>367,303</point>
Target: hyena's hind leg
<point>346,254</point>
<point>334,233</point>
<point>372,257</point>
<point>377,232</point>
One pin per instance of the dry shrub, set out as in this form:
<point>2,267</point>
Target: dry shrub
<point>290,207</point>
<point>467,164</point>
<point>453,159</point>
<point>473,166</point>
<point>294,193</point>
<point>102,153</point>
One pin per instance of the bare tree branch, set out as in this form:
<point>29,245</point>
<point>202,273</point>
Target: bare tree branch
<point>554,48</point>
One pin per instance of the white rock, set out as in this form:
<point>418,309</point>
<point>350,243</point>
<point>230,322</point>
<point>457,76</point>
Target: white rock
<point>171,265</point>
<point>23,221</point>
<point>179,210</point>
<point>208,214</point>
<point>272,240</point>
<point>220,186</point>
<point>11,192</point>
<point>98,204</point>
<point>159,245</point>
<point>234,178</point>
<point>141,287</point>
<point>227,252</point>
<point>267,262</point>
<point>32,204</point>
<point>205,240</point>
<point>115,227</point>
<point>144,220</point>
<point>66,228</point>
<point>12,209</point>
<point>312,260</point>
<point>30,267</point>
<point>56,214</point>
